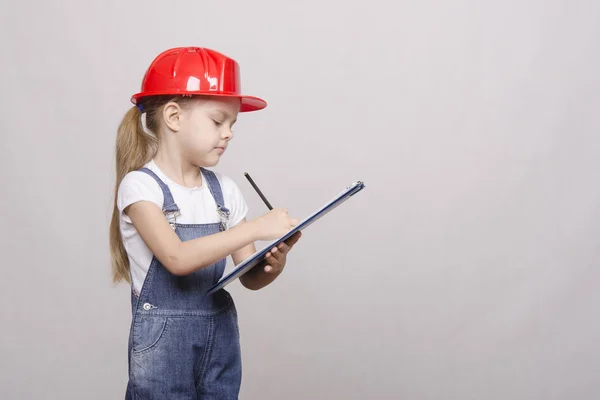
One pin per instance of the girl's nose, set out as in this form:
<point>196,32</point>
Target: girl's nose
<point>227,134</point>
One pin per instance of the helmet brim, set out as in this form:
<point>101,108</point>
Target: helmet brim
<point>247,103</point>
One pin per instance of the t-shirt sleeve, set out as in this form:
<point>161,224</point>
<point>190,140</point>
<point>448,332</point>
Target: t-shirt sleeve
<point>234,201</point>
<point>138,186</point>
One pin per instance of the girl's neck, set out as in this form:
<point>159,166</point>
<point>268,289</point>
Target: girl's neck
<point>176,169</point>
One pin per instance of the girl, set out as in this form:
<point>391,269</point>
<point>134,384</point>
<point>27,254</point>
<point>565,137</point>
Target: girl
<point>174,223</point>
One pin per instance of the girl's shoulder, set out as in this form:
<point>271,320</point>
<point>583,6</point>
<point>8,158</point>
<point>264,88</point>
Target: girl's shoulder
<point>138,186</point>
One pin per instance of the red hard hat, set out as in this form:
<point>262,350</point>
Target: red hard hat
<point>195,71</point>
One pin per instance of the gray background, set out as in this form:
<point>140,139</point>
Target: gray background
<point>468,267</point>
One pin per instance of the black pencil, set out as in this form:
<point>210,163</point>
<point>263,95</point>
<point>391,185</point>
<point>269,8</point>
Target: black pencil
<point>258,190</point>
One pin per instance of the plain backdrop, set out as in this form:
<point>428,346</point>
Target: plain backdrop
<point>468,268</point>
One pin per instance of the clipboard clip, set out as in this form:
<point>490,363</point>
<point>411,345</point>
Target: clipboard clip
<point>355,184</point>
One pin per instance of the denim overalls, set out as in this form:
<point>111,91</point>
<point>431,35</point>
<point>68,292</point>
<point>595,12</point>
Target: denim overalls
<point>184,344</point>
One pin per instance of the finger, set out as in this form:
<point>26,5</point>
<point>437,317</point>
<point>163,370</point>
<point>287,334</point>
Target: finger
<point>294,239</point>
<point>286,246</point>
<point>269,261</point>
<point>272,267</point>
<point>275,260</point>
<point>276,256</point>
<point>276,250</point>
<point>283,247</point>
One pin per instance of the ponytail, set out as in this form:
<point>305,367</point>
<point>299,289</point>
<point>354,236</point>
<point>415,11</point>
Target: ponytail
<point>135,147</point>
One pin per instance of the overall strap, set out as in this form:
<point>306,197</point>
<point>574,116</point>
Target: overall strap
<point>215,189</point>
<point>168,203</point>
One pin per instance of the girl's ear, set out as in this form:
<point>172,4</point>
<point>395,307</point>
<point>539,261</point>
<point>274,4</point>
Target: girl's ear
<point>172,115</point>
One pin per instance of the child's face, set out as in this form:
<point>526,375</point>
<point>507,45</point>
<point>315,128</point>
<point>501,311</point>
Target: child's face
<point>206,129</point>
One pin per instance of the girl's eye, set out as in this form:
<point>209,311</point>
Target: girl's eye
<point>217,123</point>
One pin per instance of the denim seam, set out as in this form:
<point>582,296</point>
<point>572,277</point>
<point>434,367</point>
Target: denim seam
<point>142,299</point>
<point>132,379</point>
<point>215,224</point>
<point>191,313</point>
<point>155,343</point>
<point>234,316</point>
<point>206,354</point>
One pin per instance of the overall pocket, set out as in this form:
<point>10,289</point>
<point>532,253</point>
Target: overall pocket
<point>148,333</point>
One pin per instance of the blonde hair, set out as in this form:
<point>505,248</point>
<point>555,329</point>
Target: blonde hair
<point>134,148</point>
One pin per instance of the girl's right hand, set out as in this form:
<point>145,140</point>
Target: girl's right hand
<point>274,224</point>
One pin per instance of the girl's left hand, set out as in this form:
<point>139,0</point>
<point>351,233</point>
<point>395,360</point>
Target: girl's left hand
<point>276,258</point>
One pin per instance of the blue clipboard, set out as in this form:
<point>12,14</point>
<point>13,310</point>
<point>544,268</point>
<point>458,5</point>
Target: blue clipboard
<point>259,256</point>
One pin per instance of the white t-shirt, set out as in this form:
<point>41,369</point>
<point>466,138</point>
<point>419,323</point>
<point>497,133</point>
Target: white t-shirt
<point>197,206</point>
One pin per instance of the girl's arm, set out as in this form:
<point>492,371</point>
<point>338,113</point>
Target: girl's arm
<point>182,258</point>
